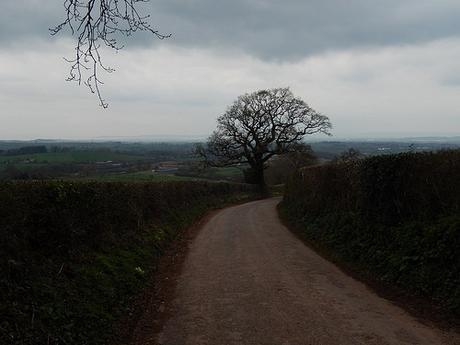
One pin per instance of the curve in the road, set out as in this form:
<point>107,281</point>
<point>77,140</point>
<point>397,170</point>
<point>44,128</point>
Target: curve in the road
<point>248,280</point>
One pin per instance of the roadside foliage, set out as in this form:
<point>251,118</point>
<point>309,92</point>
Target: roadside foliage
<point>396,217</point>
<point>73,254</point>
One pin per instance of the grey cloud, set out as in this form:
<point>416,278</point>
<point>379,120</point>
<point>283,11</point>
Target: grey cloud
<point>452,81</point>
<point>182,91</point>
<point>25,20</point>
<point>296,28</point>
<point>269,29</point>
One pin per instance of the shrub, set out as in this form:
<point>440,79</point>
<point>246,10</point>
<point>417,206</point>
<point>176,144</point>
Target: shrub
<point>73,254</point>
<point>396,216</point>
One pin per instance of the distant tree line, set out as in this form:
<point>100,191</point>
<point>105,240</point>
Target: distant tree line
<point>25,150</point>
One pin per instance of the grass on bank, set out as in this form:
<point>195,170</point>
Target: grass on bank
<point>73,254</point>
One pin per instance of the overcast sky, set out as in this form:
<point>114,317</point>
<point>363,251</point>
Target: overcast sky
<point>376,68</point>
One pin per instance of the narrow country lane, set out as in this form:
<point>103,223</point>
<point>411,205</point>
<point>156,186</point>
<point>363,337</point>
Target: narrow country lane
<point>248,280</point>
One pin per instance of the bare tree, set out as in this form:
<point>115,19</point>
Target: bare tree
<point>258,126</point>
<point>98,23</point>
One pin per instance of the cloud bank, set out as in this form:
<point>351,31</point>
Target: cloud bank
<point>375,68</point>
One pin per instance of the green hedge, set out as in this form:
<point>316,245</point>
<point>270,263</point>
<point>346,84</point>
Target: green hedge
<point>73,254</point>
<point>395,216</point>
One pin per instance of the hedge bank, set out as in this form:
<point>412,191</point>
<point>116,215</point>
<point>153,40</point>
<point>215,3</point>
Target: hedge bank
<point>72,255</point>
<point>396,217</point>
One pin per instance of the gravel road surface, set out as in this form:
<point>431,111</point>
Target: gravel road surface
<point>248,280</point>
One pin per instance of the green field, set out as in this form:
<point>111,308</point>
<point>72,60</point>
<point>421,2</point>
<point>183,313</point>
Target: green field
<point>141,176</point>
<point>86,165</point>
<point>72,157</point>
<point>228,172</point>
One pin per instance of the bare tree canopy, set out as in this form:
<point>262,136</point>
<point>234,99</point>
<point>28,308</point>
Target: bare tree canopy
<point>258,126</point>
<point>98,23</point>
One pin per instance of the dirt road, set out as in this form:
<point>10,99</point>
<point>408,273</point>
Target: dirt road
<point>248,280</point>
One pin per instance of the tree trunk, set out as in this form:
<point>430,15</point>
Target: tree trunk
<point>255,175</point>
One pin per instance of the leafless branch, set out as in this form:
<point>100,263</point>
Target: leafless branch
<point>98,23</point>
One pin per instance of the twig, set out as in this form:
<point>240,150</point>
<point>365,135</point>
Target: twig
<point>96,23</point>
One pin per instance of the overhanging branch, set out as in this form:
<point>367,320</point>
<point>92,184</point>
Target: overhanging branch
<point>97,23</point>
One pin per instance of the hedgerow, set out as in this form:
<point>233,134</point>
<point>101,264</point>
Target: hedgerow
<point>72,255</point>
<point>395,216</point>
